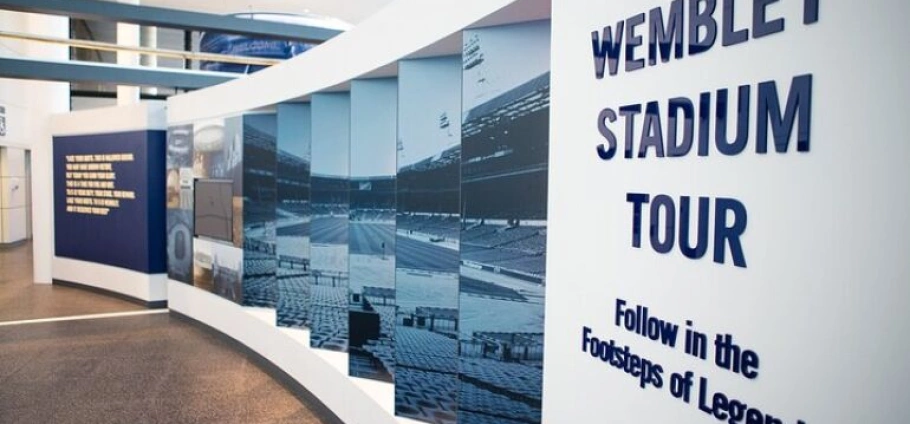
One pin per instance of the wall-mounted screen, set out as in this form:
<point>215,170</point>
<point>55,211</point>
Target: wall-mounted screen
<point>214,209</point>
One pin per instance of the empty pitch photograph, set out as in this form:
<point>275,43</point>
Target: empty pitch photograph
<point>505,144</point>
<point>293,212</point>
<point>427,239</point>
<point>327,282</point>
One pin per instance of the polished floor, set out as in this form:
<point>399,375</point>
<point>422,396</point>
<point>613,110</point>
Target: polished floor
<point>21,299</point>
<point>150,368</point>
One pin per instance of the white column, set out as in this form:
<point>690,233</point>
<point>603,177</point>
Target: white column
<point>28,194</point>
<point>2,172</point>
<point>44,99</point>
<point>150,39</point>
<point>127,35</point>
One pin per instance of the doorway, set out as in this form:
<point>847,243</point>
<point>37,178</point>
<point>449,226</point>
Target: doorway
<point>28,194</point>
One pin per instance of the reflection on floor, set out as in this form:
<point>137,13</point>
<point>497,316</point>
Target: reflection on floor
<point>148,368</point>
<point>21,299</point>
<point>141,368</point>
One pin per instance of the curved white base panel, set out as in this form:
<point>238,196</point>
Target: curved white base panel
<point>323,373</point>
<point>149,288</point>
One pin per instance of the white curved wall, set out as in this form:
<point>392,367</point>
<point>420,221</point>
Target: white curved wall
<point>404,29</point>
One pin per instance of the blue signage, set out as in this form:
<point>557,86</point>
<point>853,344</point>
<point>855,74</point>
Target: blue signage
<point>109,194</point>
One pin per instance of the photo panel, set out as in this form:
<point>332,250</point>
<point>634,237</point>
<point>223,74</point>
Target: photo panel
<point>227,271</point>
<point>203,276</point>
<point>505,144</point>
<point>179,200</point>
<point>260,263</point>
<point>371,237</point>
<point>218,168</point>
<point>427,239</point>
<point>218,150</point>
<point>327,283</point>
<point>180,146</point>
<point>293,211</point>
<point>179,167</point>
<point>180,245</point>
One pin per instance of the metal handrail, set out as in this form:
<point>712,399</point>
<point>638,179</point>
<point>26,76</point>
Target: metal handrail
<point>179,54</point>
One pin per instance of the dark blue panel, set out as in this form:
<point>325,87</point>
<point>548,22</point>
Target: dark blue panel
<point>240,45</point>
<point>130,236</point>
<point>156,190</point>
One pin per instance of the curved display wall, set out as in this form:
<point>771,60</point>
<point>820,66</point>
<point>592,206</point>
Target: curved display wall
<point>363,295</point>
<point>221,207</point>
<point>678,219</point>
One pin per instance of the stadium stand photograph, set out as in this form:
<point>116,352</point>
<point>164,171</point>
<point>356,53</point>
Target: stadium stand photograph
<point>504,157</point>
<point>426,245</point>
<point>293,213</point>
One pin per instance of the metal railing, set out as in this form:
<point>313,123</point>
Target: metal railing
<point>178,54</point>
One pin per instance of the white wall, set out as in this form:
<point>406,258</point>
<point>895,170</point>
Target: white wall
<point>29,105</point>
<point>83,103</point>
<point>12,195</point>
<point>13,96</point>
<point>823,297</point>
<point>13,99</point>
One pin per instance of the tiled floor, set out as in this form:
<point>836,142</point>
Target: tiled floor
<point>138,369</point>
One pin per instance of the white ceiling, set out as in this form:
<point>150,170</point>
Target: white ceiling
<point>352,11</point>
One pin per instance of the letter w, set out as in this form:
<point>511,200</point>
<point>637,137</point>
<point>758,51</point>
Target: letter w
<point>607,49</point>
<point>668,333</point>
